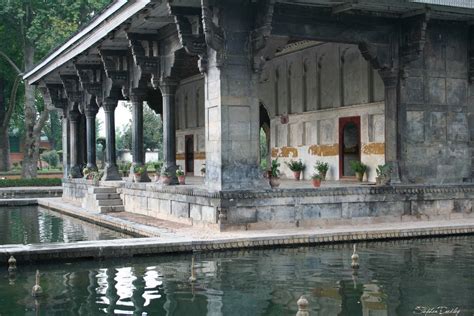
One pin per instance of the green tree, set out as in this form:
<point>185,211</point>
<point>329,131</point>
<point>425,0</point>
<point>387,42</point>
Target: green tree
<point>152,132</point>
<point>28,30</point>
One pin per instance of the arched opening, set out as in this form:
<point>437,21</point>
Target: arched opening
<point>349,144</point>
<point>265,150</point>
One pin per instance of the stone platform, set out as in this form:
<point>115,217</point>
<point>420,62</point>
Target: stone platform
<point>294,204</point>
<point>172,237</point>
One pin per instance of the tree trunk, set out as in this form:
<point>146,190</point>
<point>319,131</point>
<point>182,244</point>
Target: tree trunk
<point>4,149</point>
<point>4,141</point>
<point>32,135</point>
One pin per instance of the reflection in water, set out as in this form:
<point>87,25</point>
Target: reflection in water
<point>393,279</point>
<point>28,225</point>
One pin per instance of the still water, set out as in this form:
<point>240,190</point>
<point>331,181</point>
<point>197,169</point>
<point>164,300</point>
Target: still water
<point>28,225</point>
<point>395,278</point>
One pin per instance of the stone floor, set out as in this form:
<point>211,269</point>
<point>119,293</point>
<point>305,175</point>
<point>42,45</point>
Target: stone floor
<point>171,237</point>
<point>198,182</point>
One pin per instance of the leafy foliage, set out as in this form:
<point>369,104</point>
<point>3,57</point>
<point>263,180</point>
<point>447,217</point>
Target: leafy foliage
<point>37,182</point>
<point>358,166</point>
<point>321,167</point>
<point>51,157</point>
<point>296,165</point>
<point>275,168</point>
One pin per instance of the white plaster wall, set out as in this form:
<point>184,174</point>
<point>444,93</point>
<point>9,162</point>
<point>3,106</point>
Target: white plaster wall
<point>199,148</point>
<point>149,156</point>
<point>320,129</point>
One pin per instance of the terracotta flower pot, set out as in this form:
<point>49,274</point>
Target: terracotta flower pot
<point>137,177</point>
<point>157,177</point>
<point>165,180</point>
<point>181,179</point>
<point>274,182</point>
<point>359,176</point>
<point>323,176</point>
<point>297,175</point>
<point>316,182</point>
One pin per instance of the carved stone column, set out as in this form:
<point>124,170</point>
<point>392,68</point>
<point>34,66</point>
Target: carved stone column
<point>390,78</point>
<point>231,102</point>
<point>91,112</point>
<point>74,116</point>
<point>137,97</point>
<point>82,149</point>
<point>168,91</point>
<point>66,141</point>
<point>111,171</point>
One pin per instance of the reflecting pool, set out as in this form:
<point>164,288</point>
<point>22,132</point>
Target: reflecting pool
<point>395,278</point>
<point>28,225</point>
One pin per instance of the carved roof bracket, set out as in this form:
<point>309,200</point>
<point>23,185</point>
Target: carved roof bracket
<point>413,36</point>
<point>471,54</point>
<point>55,95</point>
<point>264,45</point>
<point>91,77</point>
<point>190,35</point>
<point>115,65</point>
<point>384,58</point>
<point>144,49</point>
<point>214,35</point>
<point>72,87</point>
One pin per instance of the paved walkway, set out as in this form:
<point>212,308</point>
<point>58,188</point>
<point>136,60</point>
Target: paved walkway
<point>171,237</point>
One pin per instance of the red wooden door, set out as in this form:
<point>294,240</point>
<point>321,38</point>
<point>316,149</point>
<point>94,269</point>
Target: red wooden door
<point>349,144</point>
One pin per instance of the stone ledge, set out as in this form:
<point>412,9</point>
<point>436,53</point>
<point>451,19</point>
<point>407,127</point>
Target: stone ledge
<point>153,246</point>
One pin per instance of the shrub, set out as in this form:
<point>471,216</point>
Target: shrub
<point>51,157</point>
<point>296,165</point>
<point>321,167</point>
<point>36,182</point>
<point>275,168</point>
<point>358,166</point>
<point>180,172</point>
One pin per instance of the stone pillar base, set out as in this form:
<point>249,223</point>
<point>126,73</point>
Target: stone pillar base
<point>111,173</point>
<point>76,172</point>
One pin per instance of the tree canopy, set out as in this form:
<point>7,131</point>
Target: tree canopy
<point>28,30</point>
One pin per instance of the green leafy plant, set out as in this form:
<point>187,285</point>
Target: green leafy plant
<point>321,167</point>
<point>358,166</point>
<point>139,169</point>
<point>316,176</point>
<point>88,172</point>
<point>180,172</point>
<point>296,165</point>
<point>165,174</point>
<point>383,170</point>
<point>275,168</point>
<point>203,169</point>
<point>158,165</point>
<point>51,157</point>
<point>35,182</point>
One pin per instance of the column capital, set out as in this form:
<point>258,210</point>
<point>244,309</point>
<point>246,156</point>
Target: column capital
<point>168,87</point>
<point>109,104</point>
<point>74,115</point>
<point>91,110</point>
<point>389,77</point>
<point>137,95</point>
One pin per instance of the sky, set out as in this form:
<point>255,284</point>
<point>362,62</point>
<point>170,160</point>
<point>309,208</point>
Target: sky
<point>122,118</point>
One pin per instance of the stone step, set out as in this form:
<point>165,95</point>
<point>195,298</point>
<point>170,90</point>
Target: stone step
<point>103,190</point>
<point>109,209</point>
<point>106,196</point>
<point>111,202</point>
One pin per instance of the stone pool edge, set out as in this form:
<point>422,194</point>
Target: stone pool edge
<point>255,239</point>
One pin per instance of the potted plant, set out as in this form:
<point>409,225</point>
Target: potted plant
<point>88,173</point>
<point>322,168</point>
<point>96,176</point>
<point>138,171</point>
<point>359,168</point>
<point>180,175</point>
<point>203,170</point>
<point>296,167</point>
<point>316,180</point>
<point>274,174</point>
<point>383,174</point>
<point>157,165</point>
<point>165,178</point>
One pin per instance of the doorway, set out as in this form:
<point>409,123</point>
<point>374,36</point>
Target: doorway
<point>189,154</point>
<point>349,144</point>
